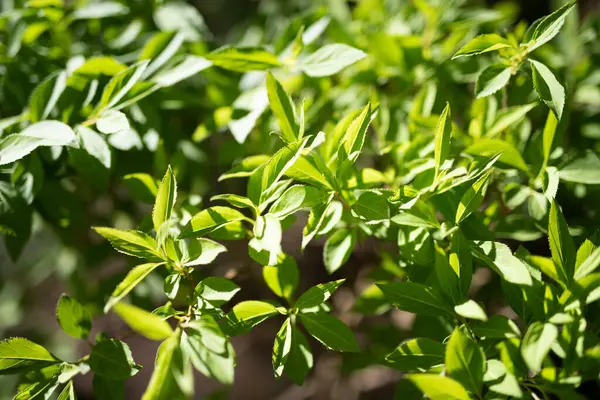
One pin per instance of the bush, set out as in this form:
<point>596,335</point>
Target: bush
<point>409,129</point>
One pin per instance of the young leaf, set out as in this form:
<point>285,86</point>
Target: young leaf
<point>162,382</point>
<point>315,221</point>
<point>465,361</point>
<point>561,244</point>
<point>329,60</point>
<point>509,155</point>
<point>160,49</point>
<point>19,354</point>
<point>482,44</point>
<point>120,85</point>
<point>133,278</point>
<point>330,331</point>
<point>209,220</point>
<point>190,66</point>
<point>282,348</point>
<point>282,278</point>
<point>144,323</point>
<point>133,243</point>
<point>470,309</point>
<point>165,199</point>
<point>243,59</point>
<point>317,294</point>
<point>443,133</point>
<point>284,110</point>
<point>447,277</point>
<point>415,298</point>
<point>296,198</point>
<point>589,265</point>
<point>338,249</point>
<point>45,133</point>
<point>300,358</point>
<point>499,257</point>
<point>68,392</point>
<point>461,262</point>
<point>416,354</point>
<point>200,251</point>
<point>438,387</point>
<point>497,327</point>
<point>73,317</point>
<point>585,170</point>
<point>251,313</point>
<point>112,121</point>
<point>354,138</point>
<point>506,118</point>
<point>536,344</point>
<point>372,207</point>
<point>268,233</point>
<point>548,27</point>
<point>216,291</point>
<point>45,96</point>
<point>209,350</point>
<point>548,87</point>
<point>473,197</point>
<point>112,359</point>
<point>492,79</point>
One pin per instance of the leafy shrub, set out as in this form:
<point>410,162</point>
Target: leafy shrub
<point>408,126</point>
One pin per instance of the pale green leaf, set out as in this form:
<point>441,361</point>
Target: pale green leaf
<point>548,87</point>
<point>146,324</point>
<point>133,278</point>
<point>416,354</point>
<point>492,79</point>
<point>165,199</point>
<point>482,44</point>
<point>465,361</point>
<point>283,108</point>
<point>73,317</point>
<point>329,60</point>
<point>330,331</point>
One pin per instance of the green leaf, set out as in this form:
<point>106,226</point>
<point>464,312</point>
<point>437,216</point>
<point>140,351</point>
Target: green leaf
<point>235,200</point>
<point>45,96</point>
<point>470,309</point>
<point>118,87</point>
<point>268,233</point>
<point>372,207</point>
<point>589,265</point>
<point>354,138</point>
<point>210,219</point>
<point>330,331</point>
<point>243,59</point>
<point>300,358</point>
<point>499,257</point>
<point>443,134</point>
<point>416,354</point>
<point>209,349</point>
<point>295,198</point>
<point>246,167</point>
<point>492,79</point>
<point>142,186</point>
<point>338,249</point>
<point>548,87</point>
<point>144,323</point>
<point>251,313</point>
<point>162,382</point>
<point>107,389</point>
<point>73,317</point>
<point>281,348</point>
<point>438,387</point>
<point>329,60</point>
<point>68,393</point>
<point>94,144</point>
<point>282,278</point>
<point>317,294</point>
<point>548,137</point>
<point>584,170</point>
<point>561,244</point>
<point>549,26</point>
<point>160,49</point>
<point>473,197</point>
<point>536,344</point>
<point>19,354</point>
<point>283,108</point>
<point>133,278</point>
<point>112,121</point>
<point>200,251</point>
<point>461,262</point>
<point>507,118</point>
<point>497,327</point>
<point>315,221</point>
<point>509,155</point>
<point>165,199</point>
<point>181,17</point>
<point>133,243</point>
<point>112,359</point>
<point>311,169</point>
<point>482,44</point>
<point>414,297</point>
<point>100,10</point>
<point>190,66</point>
<point>465,361</point>
<point>45,133</point>
<point>216,291</point>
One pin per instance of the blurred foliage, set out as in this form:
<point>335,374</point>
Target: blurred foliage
<point>443,135</point>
